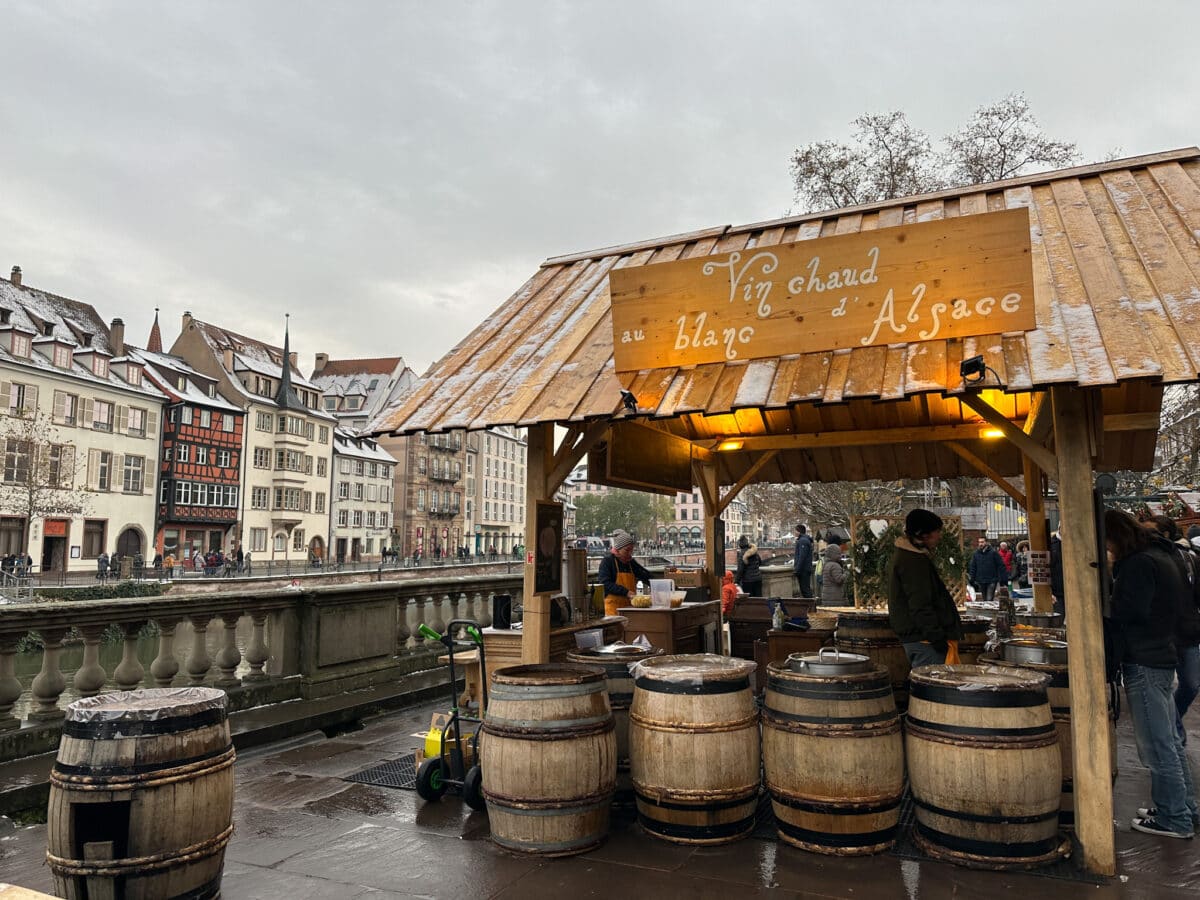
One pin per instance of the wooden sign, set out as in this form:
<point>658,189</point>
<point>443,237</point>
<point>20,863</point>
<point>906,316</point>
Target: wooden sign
<point>642,458</point>
<point>929,281</point>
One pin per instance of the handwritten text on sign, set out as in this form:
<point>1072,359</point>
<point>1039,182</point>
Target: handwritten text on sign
<point>956,277</point>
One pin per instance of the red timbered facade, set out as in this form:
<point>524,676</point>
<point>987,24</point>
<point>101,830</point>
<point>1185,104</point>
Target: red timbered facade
<point>200,485</point>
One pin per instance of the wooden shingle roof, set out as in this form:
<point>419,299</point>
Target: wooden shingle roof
<point>1116,264</point>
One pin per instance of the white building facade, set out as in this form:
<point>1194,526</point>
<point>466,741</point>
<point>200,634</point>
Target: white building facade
<point>362,498</point>
<point>499,512</point>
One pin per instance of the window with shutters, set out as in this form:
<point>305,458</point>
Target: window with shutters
<point>60,465</point>
<point>370,518</point>
<point>344,465</point>
<point>359,467</point>
<point>383,520</point>
<point>343,518</point>
<point>103,479</point>
<point>357,519</point>
<point>16,461</point>
<point>372,492</point>
<point>258,540</point>
<point>137,422</point>
<point>343,490</point>
<point>135,467</point>
<point>66,408</point>
<point>22,399</point>
<point>358,491</point>
<point>93,537</point>
<point>102,416</point>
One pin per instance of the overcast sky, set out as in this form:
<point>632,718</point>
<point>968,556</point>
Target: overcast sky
<point>389,173</point>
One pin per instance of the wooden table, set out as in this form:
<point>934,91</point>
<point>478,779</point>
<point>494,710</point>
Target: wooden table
<point>469,662</point>
<point>502,646</point>
<point>690,628</point>
<point>782,644</point>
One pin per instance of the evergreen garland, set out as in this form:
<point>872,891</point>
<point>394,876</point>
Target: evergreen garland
<point>871,554</point>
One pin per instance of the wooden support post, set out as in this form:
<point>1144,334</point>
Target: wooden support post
<point>1039,539</point>
<point>535,623</point>
<point>1085,638</point>
<point>710,492</point>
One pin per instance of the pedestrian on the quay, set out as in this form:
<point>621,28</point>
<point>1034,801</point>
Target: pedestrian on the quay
<point>749,568</point>
<point>802,562</point>
<point>987,570</point>
<point>833,576</point>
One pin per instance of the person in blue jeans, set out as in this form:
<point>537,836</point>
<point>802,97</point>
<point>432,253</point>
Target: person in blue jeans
<point>920,608</point>
<point>1187,632</point>
<point>1146,592</point>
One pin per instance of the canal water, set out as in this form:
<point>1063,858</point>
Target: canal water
<point>28,664</point>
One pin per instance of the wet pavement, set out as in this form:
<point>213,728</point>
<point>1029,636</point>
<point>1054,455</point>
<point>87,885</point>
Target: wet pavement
<point>302,831</point>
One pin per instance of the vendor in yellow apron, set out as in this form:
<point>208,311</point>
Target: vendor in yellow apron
<point>620,569</point>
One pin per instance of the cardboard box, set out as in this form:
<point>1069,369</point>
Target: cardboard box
<point>431,740</point>
<point>688,578</point>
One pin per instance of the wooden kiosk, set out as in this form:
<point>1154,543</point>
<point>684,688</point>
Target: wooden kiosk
<point>1022,328</point>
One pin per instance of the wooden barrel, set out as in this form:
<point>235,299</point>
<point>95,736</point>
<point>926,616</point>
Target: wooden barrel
<point>615,662</point>
<point>694,747</point>
<point>984,766</point>
<point>141,795</point>
<point>1058,691</point>
<point>974,639</point>
<point>871,634</point>
<point>833,757</point>
<point>549,758</point>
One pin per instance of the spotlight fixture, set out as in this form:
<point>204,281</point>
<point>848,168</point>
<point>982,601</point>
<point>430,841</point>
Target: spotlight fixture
<point>630,401</point>
<point>730,445</point>
<point>974,371</point>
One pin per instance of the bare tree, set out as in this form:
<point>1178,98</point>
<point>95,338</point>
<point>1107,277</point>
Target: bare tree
<point>1002,140</point>
<point>41,472</point>
<point>890,158</point>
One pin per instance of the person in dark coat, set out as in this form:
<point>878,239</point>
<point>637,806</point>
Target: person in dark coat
<point>802,562</point>
<point>1056,572</point>
<point>987,570</point>
<point>749,568</point>
<point>920,609</point>
<point>1147,586</point>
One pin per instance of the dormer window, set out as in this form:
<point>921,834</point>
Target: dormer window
<point>331,403</point>
<point>20,345</point>
<point>181,383</point>
<point>212,389</point>
<point>5,315</point>
<point>48,329</point>
<point>99,366</point>
<point>62,356</point>
<point>353,402</point>
<point>133,374</point>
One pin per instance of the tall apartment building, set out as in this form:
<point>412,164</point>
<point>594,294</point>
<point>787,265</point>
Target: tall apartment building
<point>428,502</point>
<point>200,472</point>
<point>79,429</point>
<point>362,498</point>
<point>288,451</point>
<point>500,491</point>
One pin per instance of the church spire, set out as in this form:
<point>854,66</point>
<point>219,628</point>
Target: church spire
<point>287,397</point>
<point>154,345</point>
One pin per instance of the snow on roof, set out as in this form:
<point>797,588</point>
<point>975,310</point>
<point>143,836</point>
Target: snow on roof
<point>379,365</point>
<point>250,354</point>
<point>346,444</point>
<point>159,364</point>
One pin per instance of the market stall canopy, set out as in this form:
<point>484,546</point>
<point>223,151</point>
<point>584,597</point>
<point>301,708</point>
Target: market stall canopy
<point>1114,264</point>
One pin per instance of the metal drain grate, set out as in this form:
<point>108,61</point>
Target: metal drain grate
<point>396,773</point>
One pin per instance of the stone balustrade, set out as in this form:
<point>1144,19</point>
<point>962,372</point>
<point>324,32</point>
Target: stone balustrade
<point>303,642</point>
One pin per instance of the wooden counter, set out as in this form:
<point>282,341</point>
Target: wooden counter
<point>502,646</point>
<point>782,644</point>
<point>690,628</point>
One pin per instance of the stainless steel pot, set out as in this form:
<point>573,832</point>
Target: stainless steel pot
<point>829,661</point>
<point>1046,653</point>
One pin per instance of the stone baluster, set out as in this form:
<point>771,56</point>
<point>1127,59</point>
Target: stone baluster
<point>165,666</point>
<point>485,607</point>
<point>257,653</point>
<point>229,657</point>
<point>49,684</point>
<point>454,603</point>
<point>198,661</point>
<point>129,671</point>
<point>10,685</point>
<point>419,605</point>
<point>90,676</point>
<point>403,632</point>
<point>438,617</point>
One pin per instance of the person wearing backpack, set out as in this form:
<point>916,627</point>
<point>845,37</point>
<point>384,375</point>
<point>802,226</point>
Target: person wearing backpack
<point>1148,585</point>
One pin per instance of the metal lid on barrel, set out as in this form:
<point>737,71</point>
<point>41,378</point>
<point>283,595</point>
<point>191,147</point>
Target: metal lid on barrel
<point>1036,651</point>
<point>829,661</point>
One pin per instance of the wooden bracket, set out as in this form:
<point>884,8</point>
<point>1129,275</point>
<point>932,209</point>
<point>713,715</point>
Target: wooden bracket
<point>1044,458</point>
<point>578,441</point>
<point>724,501</point>
<point>984,469</point>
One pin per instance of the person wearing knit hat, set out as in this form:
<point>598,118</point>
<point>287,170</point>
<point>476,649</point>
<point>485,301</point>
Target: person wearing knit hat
<point>920,609</point>
<point>620,573</point>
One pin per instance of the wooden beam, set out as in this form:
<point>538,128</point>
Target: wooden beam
<point>1039,454</point>
<point>724,502</point>
<point>569,454</point>
<point>1036,515</point>
<point>987,471</point>
<point>535,628</point>
<point>919,434</point>
<point>1039,424</point>
<point>707,480</point>
<point>1085,638</point>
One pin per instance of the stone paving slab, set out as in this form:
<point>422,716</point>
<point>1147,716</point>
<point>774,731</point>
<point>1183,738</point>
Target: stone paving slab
<point>304,832</point>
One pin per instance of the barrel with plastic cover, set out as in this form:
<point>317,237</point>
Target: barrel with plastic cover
<point>984,766</point>
<point>833,754</point>
<point>141,795</point>
<point>694,747</point>
<point>549,758</point>
<point>615,660</point>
